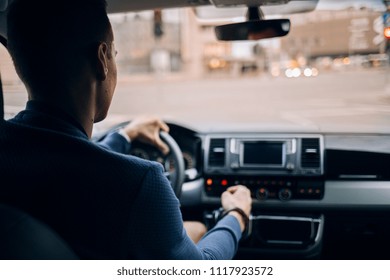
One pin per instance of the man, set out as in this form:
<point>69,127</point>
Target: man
<point>104,204</point>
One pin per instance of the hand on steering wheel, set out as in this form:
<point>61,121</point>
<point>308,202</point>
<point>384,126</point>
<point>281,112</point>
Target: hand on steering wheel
<point>146,130</point>
<point>153,132</point>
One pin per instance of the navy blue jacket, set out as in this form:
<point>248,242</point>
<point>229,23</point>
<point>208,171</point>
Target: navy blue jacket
<point>105,204</point>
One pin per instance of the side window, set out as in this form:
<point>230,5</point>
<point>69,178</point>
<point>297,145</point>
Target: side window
<point>15,95</point>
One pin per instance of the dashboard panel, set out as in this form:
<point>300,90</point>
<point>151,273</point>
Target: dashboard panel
<point>312,193</point>
<point>315,171</point>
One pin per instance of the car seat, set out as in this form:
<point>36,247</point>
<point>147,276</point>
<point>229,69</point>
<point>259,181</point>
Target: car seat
<point>23,237</point>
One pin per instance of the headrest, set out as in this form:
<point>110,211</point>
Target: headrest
<point>3,5</point>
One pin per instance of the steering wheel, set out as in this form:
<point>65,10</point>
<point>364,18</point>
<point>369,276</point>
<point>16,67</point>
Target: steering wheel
<point>175,177</point>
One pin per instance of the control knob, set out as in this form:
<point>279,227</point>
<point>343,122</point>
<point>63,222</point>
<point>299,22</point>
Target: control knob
<point>262,194</point>
<point>285,194</point>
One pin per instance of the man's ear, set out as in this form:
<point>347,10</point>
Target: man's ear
<point>102,61</point>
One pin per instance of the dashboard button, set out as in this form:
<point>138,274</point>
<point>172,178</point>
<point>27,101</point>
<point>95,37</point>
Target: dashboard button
<point>262,194</point>
<point>285,194</point>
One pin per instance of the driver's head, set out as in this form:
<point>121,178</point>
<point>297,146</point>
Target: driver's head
<point>57,45</point>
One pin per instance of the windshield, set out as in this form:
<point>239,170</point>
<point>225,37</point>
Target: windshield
<point>330,74</point>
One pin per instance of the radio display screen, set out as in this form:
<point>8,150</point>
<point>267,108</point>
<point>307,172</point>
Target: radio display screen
<point>262,153</point>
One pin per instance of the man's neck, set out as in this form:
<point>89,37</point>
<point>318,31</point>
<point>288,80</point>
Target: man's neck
<point>76,110</point>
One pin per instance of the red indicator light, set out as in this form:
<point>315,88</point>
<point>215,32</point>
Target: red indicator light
<point>224,183</point>
<point>387,32</point>
<point>209,182</point>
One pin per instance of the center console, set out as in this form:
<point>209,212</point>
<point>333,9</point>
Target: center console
<point>281,167</point>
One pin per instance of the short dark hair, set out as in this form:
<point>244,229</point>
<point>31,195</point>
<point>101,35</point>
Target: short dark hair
<point>46,37</point>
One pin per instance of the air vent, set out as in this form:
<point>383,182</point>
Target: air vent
<point>310,155</point>
<point>217,152</point>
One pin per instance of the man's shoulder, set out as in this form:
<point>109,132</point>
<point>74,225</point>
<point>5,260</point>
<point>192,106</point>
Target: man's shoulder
<point>126,165</point>
<point>31,144</point>
<point>130,160</point>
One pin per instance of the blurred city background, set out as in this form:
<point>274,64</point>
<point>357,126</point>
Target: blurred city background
<point>181,41</point>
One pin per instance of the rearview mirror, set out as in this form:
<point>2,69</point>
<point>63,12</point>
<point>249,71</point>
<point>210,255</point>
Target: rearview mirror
<point>253,30</point>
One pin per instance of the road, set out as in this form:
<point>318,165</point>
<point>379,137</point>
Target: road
<point>350,101</point>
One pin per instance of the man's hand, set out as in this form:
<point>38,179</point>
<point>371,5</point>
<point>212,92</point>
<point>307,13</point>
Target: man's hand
<point>237,196</point>
<point>146,130</point>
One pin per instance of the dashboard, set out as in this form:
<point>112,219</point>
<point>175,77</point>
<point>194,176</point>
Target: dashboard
<point>311,192</point>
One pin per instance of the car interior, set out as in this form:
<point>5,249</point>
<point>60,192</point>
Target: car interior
<point>309,138</point>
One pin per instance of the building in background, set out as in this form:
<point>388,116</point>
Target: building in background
<point>353,37</point>
<point>323,39</point>
<point>145,45</point>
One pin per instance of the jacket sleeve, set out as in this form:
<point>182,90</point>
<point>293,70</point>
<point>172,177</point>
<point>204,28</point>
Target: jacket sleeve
<point>158,226</point>
<point>116,143</point>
